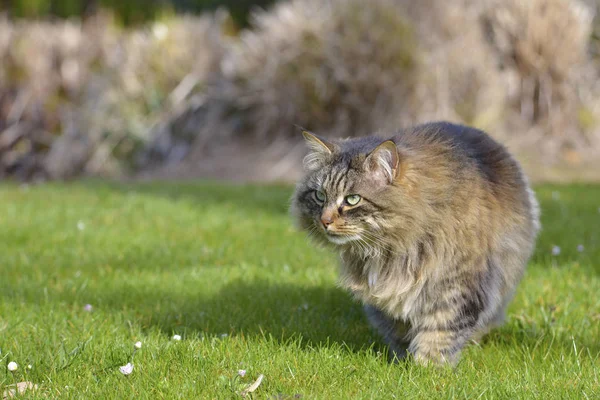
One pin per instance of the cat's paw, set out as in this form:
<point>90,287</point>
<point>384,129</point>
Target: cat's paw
<point>436,359</point>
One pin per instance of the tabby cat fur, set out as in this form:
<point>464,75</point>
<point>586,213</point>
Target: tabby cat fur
<point>434,227</point>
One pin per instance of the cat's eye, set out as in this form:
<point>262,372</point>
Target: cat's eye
<point>320,196</point>
<point>352,199</point>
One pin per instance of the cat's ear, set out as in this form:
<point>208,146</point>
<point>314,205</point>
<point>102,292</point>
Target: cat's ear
<point>317,144</point>
<point>384,161</point>
<point>320,150</point>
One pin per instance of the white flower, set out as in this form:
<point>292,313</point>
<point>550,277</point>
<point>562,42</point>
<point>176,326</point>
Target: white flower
<point>126,369</point>
<point>580,248</point>
<point>555,250</point>
<point>12,366</point>
<point>80,225</point>
<point>242,372</point>
<point>88,308</point>
<point>176,338</point>
<point>29,366</point>
<point>138,345</point>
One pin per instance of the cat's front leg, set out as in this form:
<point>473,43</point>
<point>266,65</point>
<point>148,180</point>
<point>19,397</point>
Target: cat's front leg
<point>393,332</point>
<point>439,347</point>
<point>439,335</point>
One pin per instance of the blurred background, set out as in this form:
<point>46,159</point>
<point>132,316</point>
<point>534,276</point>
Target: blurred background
<point>185,89</point>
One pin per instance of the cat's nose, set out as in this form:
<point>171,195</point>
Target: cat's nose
<point>326,220</point>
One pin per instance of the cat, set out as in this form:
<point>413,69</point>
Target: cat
<point>434,228</point>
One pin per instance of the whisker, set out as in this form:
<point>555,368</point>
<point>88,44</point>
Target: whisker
<point>375,240</point>
<point>378,240</point>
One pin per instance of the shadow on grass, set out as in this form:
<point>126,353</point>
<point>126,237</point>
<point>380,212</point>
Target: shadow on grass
<point>317,316</point>
<point>284,312</point>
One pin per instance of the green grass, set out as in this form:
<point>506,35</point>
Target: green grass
<point>222,267</point>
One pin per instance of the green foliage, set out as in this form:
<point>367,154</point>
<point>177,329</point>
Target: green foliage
<point>29,8</point>
<point>204,260</point>
<point>239,9</point>
<point>130,11</point>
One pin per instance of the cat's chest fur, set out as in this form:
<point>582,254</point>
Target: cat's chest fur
<point>383,282</point>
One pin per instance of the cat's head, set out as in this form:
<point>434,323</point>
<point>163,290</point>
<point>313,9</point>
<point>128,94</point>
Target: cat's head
<point>344,197</point>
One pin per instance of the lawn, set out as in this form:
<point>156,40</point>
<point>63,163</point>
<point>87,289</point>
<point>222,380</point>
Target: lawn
<point>222,267</point>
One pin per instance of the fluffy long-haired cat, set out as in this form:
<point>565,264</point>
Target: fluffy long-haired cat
<point>434,227</point>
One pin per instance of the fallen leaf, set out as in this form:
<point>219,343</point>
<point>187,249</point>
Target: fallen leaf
<point>20,388</point>
<point>253,386</point>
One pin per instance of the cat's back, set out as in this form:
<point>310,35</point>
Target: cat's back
<point>473,163</point>
<point>466,150</point>
<point>467,146</point>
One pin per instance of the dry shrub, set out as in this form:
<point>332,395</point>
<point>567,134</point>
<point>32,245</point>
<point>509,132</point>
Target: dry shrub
<point>460,80</point>
<point>544,44</point>
<point>324,65</point>
<point>518,69</point>
<point>78,98</point>
<point>339,67</point>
